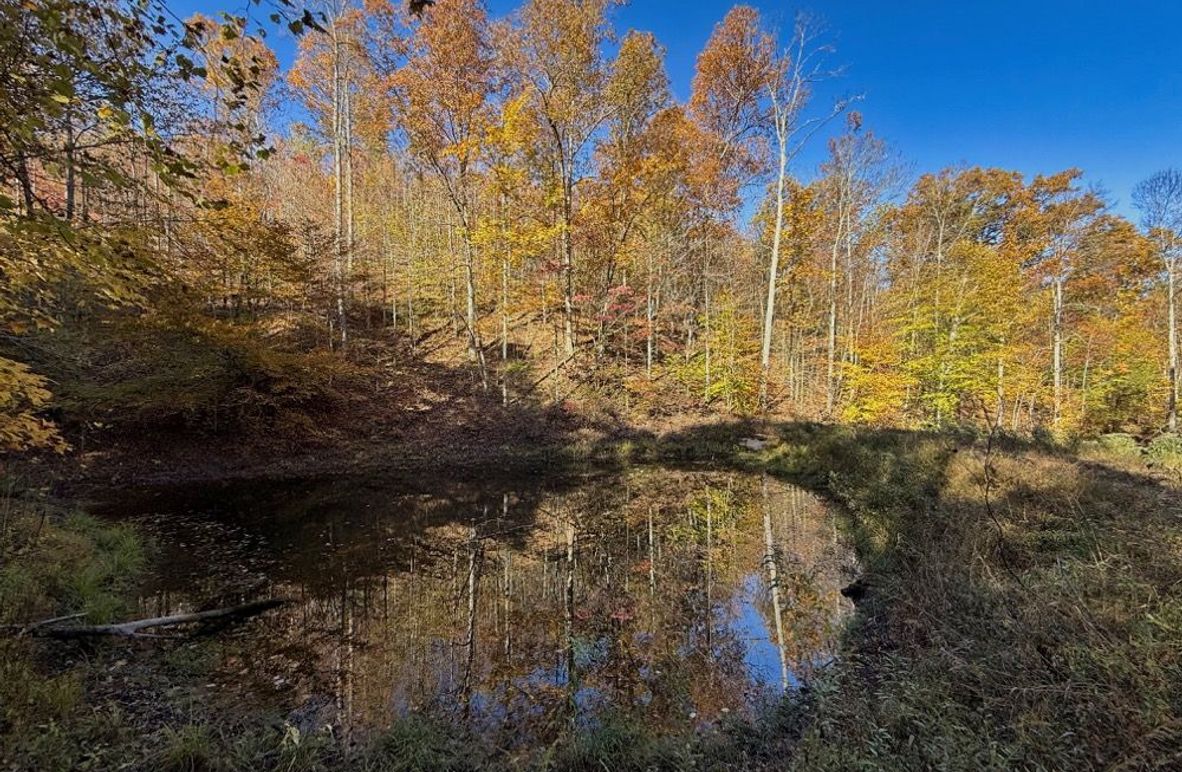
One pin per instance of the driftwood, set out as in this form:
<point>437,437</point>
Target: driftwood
<point>52,628</point>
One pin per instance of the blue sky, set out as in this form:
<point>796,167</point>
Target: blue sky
<point>1036,86</point>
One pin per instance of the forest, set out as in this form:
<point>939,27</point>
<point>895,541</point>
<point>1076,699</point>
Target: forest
<point>482,250</point>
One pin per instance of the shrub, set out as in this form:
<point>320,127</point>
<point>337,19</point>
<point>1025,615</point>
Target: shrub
<point>1120,444</point>
<point>1166,451</point>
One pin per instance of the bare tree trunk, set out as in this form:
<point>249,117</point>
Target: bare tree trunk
<point>831,353</point>
<point>1172,333</point>
<point>347,140</point>
<point>504,331</point>
<point>1001,393</point>
<point>454,314</point>
<point>568,263</point>
<point>26,184</point>
<point>707,335</point>
<point>410,283</point>
<point>648,318</point>
<point>338,158</point>
<point>937,316</point>
<point>1057,350</point>
<point>769,316</point>
<point>475,345</point>
<point>70,174</point>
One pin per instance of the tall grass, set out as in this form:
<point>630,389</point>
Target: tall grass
<point>1025,609</point>
<point>52,562</point>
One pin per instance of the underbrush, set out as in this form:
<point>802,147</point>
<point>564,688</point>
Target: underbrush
<point>54,715</point>
<point>55,562</point>
<point>165,374</point>
<point>62,561</point>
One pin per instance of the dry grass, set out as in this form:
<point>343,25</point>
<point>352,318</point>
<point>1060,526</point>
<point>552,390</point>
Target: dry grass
<point>1026,610</point>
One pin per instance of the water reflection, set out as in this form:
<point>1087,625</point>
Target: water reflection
<point>518,606</point>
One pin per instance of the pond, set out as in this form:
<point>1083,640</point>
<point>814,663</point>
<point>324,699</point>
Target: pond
<point>519,606</point>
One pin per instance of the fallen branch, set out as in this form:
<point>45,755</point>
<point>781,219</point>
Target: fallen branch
<point>22,630</point>
<point>50,628</point>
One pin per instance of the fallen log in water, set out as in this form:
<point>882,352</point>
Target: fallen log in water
<point>52,628</point>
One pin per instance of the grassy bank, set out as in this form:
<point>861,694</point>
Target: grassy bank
<point>102,705</point>
<point>1023,610</point>
<point>54,562</point>
<point>1025,606</point>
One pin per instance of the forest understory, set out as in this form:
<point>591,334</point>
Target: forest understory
<point>232,410</point>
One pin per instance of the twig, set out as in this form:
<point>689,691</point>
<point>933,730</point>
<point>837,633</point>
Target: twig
<point>47,622</point>
<point>987,488</point>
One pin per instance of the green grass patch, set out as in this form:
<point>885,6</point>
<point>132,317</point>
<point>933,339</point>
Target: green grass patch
<point>55,562</point>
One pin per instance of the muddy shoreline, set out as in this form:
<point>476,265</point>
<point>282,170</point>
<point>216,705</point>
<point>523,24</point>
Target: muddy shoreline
<point>209,460</point>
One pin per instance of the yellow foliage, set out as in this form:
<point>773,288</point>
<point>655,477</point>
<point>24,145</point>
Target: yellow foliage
<point>876,382</point>
<point>22,395</point>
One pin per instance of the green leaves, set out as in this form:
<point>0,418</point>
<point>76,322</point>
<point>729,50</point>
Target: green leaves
<point>188,69</point>
<point>306,22</point>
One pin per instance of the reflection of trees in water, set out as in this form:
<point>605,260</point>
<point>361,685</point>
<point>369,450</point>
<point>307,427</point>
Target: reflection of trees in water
<point>527,610</point>
<point>804,563</point>
<point>771,562</point>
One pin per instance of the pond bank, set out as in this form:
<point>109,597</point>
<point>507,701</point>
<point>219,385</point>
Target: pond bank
<point>557,446</point>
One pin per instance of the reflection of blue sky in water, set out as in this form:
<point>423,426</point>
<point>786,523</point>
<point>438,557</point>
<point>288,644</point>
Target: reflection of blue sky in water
<point>747,625</point>
<point>668,630</point>
<point>762,655</point>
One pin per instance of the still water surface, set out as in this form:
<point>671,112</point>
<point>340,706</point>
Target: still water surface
<point>514,605</point>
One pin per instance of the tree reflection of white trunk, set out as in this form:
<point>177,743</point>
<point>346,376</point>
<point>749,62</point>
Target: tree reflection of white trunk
<point>508,598</point>
<point>652,573</point>
<point>709,565</point>
<point>470,637</point>
<point>508,590</point>
<point>769,560</point>
<point>344,680</point>
<point>568,614</point>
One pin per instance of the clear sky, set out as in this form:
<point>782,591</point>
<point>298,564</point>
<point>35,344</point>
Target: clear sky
<point>1032,85</point>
